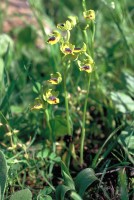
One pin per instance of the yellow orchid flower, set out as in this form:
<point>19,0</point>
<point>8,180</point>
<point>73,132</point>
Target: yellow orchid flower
<point>38,104</point>
<point>86,65</point>
<point>54,38</point>
<point>51,97</point>
<point>55,78</point>
<point>80,50</point>
<point>89,14</point>
<point>67,26</point>
<point>87,68</point>
<point>73,20</point>
<point>67,48</point>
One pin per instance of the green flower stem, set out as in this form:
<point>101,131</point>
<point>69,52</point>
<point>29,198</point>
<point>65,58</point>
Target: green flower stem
<point>49,125</point>
<point>86,40</point>
<point>66,105</point>
<point>91,52</point>
<point>84,121</point>
<point>68,158</point>
<point>71,151</point>
<point>68,35</point>
<point>92,39</point>
<point>84,5</point>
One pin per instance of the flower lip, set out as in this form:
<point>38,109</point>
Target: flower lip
<point>53,80</point>
<point>37,106</point>
<point>86,67</point>
<point>53,38</point>
<point>90,17</point>
<point>68,50</point>
<point>77,50</point>
<point>51,97</point>
<point>53,100</point>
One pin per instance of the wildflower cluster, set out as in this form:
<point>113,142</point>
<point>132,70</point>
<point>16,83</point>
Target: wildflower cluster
<point>71,51</point>
<point>48,95</point>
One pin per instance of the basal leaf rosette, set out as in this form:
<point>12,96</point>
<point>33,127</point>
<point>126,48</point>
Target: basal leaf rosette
<point>54,38</point>
<point>51,97</point>
<point>89,15</point>
<point>86,65</point>
<point>55,78</point>
<point>67,48</point>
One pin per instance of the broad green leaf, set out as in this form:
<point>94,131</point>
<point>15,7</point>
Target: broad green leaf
<point>46,191</point>
<point>59,125</point>
<point>123,102</point>
<point>122,180</point>
<point>75,196</point>
<point>3,174</point>
<point>44,153</point>
<point>52,156</point>
<point>126,138</point>
<point>129,83</point>
<point>16,109</point>
<point>61,191</point>
<point>37,87</point>
<point>22,195</point>
<point>68,181</point>
<point>57,159</point>
<point>46,197</point>
<point>5,42</point>
<point>84,179</point>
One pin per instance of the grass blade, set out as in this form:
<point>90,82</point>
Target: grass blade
<point>95,160</point>
<point>3,174</point>
<point>123,184</point>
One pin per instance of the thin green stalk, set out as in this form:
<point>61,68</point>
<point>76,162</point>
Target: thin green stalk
<point>66,105</point>
<point>68,35</point>
<point>84,5</point>
<point>83,122</point>
<point>71,151</point>
<point>49,125</point>
<point>67,118</point>
<point>90,51</point>
<point>52,138</point>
